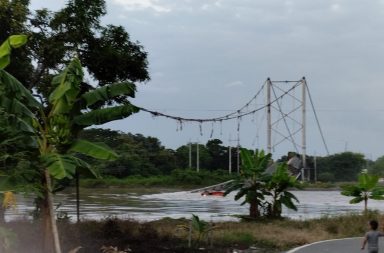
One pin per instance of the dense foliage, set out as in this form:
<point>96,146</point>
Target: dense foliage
<point>55,37</point>
<point>340,167</point>
<point>146,156</point>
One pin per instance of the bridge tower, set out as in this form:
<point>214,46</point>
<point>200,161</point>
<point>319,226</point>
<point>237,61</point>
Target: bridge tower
<point>292,116</point>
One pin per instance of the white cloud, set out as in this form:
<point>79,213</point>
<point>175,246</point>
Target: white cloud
<point>209,5</point>
<point>142,4</point>
<point>235,84</point>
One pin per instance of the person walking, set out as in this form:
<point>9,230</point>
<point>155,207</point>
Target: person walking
<point>372,238</point>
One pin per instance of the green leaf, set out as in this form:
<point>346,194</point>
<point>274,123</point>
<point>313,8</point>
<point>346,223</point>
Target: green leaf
<point>5,51</point>
<point>14,41</point>
<point>367,181</point>
<point>233,187</point>
<point>60,166</point>
<point>291,196</point>
<point>68,88</point>
<point>246,159</point>
<point>12,88</point>
<point>101,116</point>
<point>356,200</point>
<point>287,201</point>
<point>241,193</point>
<point>378,191</point>
<point>60,91</point>
<point>17,41</point>
<point>351,190</point>
<point>96,150</point>
<point>377,197</point>
<point>108,92</point>
<point>24,125</point>
<point>84,168</point>
<point>4,61</point>
<point>14,106</point>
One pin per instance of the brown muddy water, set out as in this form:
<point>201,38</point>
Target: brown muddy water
<point>153,204</point>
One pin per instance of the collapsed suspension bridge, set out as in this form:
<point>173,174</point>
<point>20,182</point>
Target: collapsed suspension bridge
<point>293,119</point>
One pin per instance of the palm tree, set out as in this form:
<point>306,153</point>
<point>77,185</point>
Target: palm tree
<point>366,188</point>
<point>250,183</point>
<point>53,125</point>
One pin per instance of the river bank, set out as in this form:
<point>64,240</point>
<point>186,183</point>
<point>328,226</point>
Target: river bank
<point>167,235</point>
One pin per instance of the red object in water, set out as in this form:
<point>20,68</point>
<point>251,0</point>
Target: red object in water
<point>214,193</point>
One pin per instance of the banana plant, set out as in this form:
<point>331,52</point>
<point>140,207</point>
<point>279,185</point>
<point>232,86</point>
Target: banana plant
<point>53,125</point>
<point>277,185</point>
<point>199,227</point>
<point>366,188</point>
<point>251,184</point>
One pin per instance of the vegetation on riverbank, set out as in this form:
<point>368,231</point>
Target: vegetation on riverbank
<point>165,236</point>
<point>186,179</point>
<point>146,156</point>
<point>183,179</point>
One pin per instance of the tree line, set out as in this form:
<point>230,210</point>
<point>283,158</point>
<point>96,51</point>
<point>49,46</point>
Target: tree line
<point>146,156</point>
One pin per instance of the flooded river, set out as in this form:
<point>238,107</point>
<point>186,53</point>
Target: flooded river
<point>151,205</point>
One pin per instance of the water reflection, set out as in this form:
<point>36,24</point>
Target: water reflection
<point>145,206</point>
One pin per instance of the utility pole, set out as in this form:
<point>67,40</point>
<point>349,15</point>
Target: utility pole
<point>315,167</point>
<point>304,151</point>
<point>237,155</point>
<point>269,117</point>
<point>229,159</point>
<point>197,157</point>
<point>238,151</point>
<point>190,154</point>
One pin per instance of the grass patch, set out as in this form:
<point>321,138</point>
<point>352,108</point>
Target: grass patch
<point>163,236</point>
<point>279,235</point>
<point>238,238</point>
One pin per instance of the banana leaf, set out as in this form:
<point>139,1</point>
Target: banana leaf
<point>95,150</point>
<point>108,92</point>
<point>104,115</point>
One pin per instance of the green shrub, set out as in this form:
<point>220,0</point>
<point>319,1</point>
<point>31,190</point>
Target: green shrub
<point>239,238</point>
<point>326,177</point>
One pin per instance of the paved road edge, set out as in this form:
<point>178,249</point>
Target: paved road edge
<point>310,244</point>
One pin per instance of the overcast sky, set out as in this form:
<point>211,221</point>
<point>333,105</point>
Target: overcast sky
<point>209,57</point>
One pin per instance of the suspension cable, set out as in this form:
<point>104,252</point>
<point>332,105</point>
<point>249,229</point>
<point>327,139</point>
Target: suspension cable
<point>317,120</point>
<point>237,114</point>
